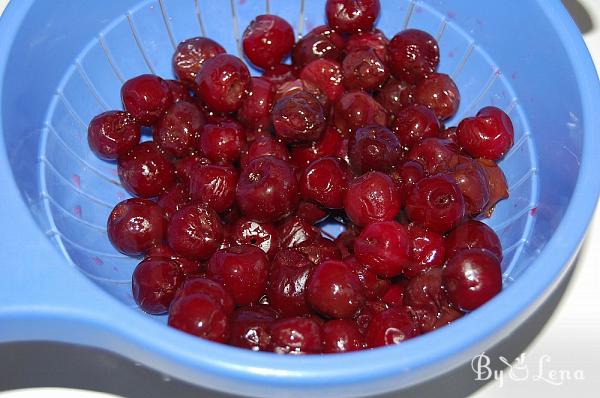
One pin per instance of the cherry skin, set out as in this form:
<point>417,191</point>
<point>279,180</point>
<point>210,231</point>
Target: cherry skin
<point>439,93</point>
<point>222,82</point>
<point>436,203</point>
<point>223,142</point>
<point>267,190</point>
<point>329,145</point>
<point>173,199</point>
<point>351,16</point>
<point>179,128</point>
<point>298,118</point>
<point>326,75</point>
<point>395,95</point>
<point>414,123</point>
<point>472,181</point>
<point>281,73</point>
<point>321,42</point>
<point>497,185</point>
<point>135,225</point>
<point>374,286</point>
<point>394,296</point>
<point>214,186</point>
<point>201,285</point>
<point>367,312</point>
<point>373,148</point>
<point>436,155</point>
<point>112,134</point>
<point>296,232</point>
<point>146,98</point>
<point>472,277</point>
<point>179,91</point>
<point>473,234</point>
<point>200,315</point>
<point>341,335</point>
<point>191,54</point>
<point>311,212</point>
<point>296,335</point>
<point>188,266</point>
<point>287,283</point>
<point>195,231</point>
<point>267,40</point>
<point>265,236</point>
<point>489,135</point>
<point>265,146</point>
<point>428,250</point>
<point>145,171</point>
<point>425,288</point>
<point>243,270</point>
<point>321,249</point>
<point>325,182</point>
<point>251,328</point>
<point>414,54</point>
<point>406,176</point>
<point>372,197</point>
<point>356,109</point>
<point>364,70</point>
<point>334,290</point>
<point>392,326</point>
<point>154,282</point>
<point>373,39</point>
<point>256,106</point>
<point>384,247</point>
<point>184,166</point>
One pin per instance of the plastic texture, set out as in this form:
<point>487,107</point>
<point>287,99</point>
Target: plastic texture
<point>63,62</point>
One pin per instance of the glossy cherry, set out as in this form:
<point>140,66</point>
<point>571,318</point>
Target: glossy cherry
<point>357,109</point>
<point>373,39</point>
<point>267,40</point>
<point>374,286</point>
<point>202,285</point>
<point>214,186</point>
<point>326,75</point>
<point>436,203</point>
<point>473,234</point>
<point>428,250</point>
<point>135,225</point>
<point>296,335</point>
<point>188,266</point>
<point>372,197</point>
<point>265,146</point>
<point>321,249</point>
<point>184,166</point>
<point>364,70</point>
<point>439,93</point>
<point>334,290</point>
<point>472,182</point>
<point>112,134</point>
<point>321,42</point>
<point>351,16</point>
<point>267,189</point>
<point>200,315</point>
<point>243,270</point>
<point>195,231</point>
<point>373,148</point>
<point>251,328</point>
<point>311,212</point>
<point>489,135</point>
<point>298,118</point>
<point>437,155</point>
<point>191,54</point>
<point>173,199</point>
<point>222,82</point>
<point>296,232</point>
<point>384,247</point>
<point>472,277</point>
<point>325,182</point>
<point>145,171</point>
<point>179,128</point>
<point>255,112</point>
<point>392,326</point>
<point>262,235</point>
<point>146,98</point>
<point>223,142</point>
<point>154,283</point>
<point>329,145</point>
<point>406,176</point>
<point>395,95</point>
<point>287,283</point>
<point>414,123</point>
<point>341,335</point>
<point>414,54</point>
<point>179,91</point>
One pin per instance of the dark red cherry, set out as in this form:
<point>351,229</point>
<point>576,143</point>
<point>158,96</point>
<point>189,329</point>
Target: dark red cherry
<point>135,225</point>
<point>251,328</point>
<point>326,75</point>
<point>357,109</point>
<point>341,335</point>
<point>214,186</point>
<point>145,171</point>
<point>195,231</point>
<point>222,82</point>
<point>392,326</point>
<point>472,277</point>
<point>243,270</point>
<point>373,148</point>
<point>436,155</point>
<point>395,95</point>
<point>372,197</point>
<point>414,123</point>
<point>473,234</point>
<point>296,232</point>
<point>184,166</point>
<point>367,312</point>
<point>489,135</point>
<point>191,54</point>
<point>334,290</point>
<point>414,54</point>
<point>179,91</point>
<point>373,39</point>
<point>188,266</point>
<point>439,93</point>
<point>200,315</point>
<point>262,235</point>
<point>296,335</point>
<point>179,128</point>
<point>287,283</point>
<point>428,250</point>
<point>256,106</point>
<point>154,282</point>
<point>321,42</point>
<point>406,176</point>
<point>374,286</point>
<point>201,285</point>
<point>265,146</point>
<point>280,73</point>
<point>223,142</point>
<point>298,118</point>
<point>364,70</point>
<point>351,16</point>
<point>497,185</point>
<point>146,98</point>
<point>325,182</point>
<point>112,134</point>
<point>267,40</point>
<point>311,212</point>
<point>267,190</point>
<point>394,296</point>
<point>436,203</point>
<point>328,145</point>
<point>384,247</point>
<point>472,181</point>
<point>319,250</point>
<point>173,199</point>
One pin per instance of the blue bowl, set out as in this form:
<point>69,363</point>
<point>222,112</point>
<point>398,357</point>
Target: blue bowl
<point>62,62</point>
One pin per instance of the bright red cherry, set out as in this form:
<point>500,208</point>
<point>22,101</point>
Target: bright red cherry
<point>267,40</point>
<point>341,335</point>
<point>473,234</point>
<point>414,123</point>
<point>414,54</point>
<point>325,182</point>
<point>326,75</point>
<point>222,82</point>
<point>351,16</point>
<point>372,197</point>
<point>364,70</point>
<point>255,112</point>
<point>112,134</point>
<point>321,42</point>
<point>262,235</point>
<point>146,98</point>
<point>439,93</point>
<point>154,282</point>
<point>296,336</point>
<point>428,250</point>
<point>357,109</point>
<point>436,155</point>
<point>200,315</point>
<point>179,128</point>
<point>265,146</point>
<point>373,39</point>
<point>251,328</point>
<point>384,247</point>
<point>195,231</point>
<point>223,142</point>
<point>191,54</point>
<point>145,171</point>
<point>489,135</point>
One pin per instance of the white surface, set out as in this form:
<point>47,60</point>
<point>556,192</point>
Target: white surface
<point>569,345</point>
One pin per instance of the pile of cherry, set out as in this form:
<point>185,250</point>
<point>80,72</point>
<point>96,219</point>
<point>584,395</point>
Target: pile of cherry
<point>241,170</point>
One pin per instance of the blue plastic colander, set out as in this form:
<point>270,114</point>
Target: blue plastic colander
<point>62,62</point>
